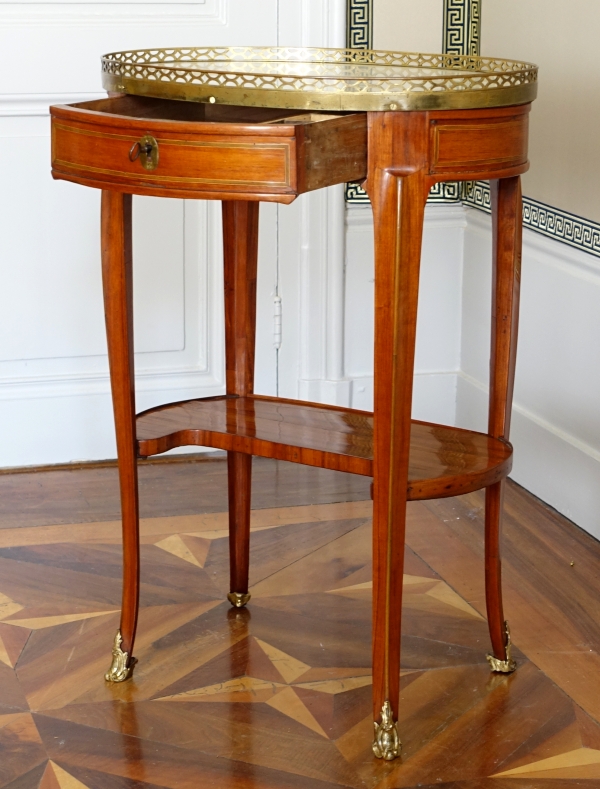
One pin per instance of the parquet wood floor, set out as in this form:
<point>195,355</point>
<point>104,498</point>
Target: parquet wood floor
<point>277,696</point>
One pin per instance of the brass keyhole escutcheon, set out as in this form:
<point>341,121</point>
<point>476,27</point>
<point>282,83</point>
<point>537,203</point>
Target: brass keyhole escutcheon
<point>146,150</point>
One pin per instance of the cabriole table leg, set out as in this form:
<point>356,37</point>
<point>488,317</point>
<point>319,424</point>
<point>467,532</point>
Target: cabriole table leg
<point>240,248</point>
<point>507,231</point>
<point>118,307</point>
<point>398,212</point>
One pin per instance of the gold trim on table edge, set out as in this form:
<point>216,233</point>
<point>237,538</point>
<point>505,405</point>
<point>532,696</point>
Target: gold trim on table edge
<point>244,146</point>
<point>314,100</point>
<point>478,83</point>
<point>75,167</point>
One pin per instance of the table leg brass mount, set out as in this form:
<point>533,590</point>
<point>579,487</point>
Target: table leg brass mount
<point>128,145</point>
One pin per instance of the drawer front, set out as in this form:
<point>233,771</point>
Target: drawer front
<point>188,162</point>
<point>478,145</point>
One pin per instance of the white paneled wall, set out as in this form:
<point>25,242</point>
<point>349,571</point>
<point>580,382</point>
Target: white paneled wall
<point>439,321</point>
<point>315,255</point>
<point>54,390</point>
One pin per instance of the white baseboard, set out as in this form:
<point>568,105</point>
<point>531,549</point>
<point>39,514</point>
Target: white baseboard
<point>553,465</point>
<point>556,419</point>
<point>74,423</point>
<point>323,391</point>
<point>434,396</point>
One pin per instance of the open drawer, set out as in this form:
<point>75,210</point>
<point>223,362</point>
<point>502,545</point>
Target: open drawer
<point>185,149</point>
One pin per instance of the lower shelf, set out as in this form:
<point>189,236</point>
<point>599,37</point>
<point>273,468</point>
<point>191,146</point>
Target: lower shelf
<point>444,461</point>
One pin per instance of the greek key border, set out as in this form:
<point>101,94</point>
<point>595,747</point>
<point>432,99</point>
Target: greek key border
<point>551,222</point>
<point>462,27</point>
<point>359,26</point>
<point>462,36</point>
<point>359,35</point>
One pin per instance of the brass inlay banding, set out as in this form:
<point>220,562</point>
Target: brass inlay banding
<point>488,127</point>
<point>388,574</point>
<point>281,147</point>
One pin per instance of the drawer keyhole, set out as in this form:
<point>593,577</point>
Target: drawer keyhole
<point>146,150</point>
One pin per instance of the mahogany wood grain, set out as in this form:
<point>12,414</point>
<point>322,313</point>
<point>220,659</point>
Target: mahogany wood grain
<point>328,151</point>
<point>240,256</point>
<point>398,191</point>
<point>224,156</point>
<point>444,461</point>
<point>495,142</point>
<point>241,154</point>
<point>118,306</point>
<point>507,217</point>
<point>407,154</point>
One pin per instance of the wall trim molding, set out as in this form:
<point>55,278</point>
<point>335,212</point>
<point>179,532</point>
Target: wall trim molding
<point>577,232</point>
<point>462,36</point>
<point>557,432</point>
<point>359,35</point>
<point>85,14</point>
<point>577,261</point>
<point>436,215</point>
<point>541,449</point>
<point>557,456</point>
<point>359,24</point>
<point>37,105</point>
<point>85,384</point>
<point>462,27</point>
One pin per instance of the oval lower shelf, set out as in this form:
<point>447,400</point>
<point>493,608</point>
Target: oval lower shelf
<point>444,461</point>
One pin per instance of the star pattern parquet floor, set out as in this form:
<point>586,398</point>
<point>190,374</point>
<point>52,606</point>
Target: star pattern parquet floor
<point>275,696</point>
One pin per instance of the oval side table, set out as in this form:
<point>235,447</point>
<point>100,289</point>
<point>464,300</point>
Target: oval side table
<point>246,125</point>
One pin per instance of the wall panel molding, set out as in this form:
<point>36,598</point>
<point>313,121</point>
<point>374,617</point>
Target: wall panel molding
<point>198,366</point>
<point>54,384</point>
<point>36,105</point>
<point>439,321</point>
<point>136,13</point>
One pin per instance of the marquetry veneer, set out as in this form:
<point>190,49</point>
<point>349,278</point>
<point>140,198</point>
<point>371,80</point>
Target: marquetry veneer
<point>444,461</point>
<point>128,145</point>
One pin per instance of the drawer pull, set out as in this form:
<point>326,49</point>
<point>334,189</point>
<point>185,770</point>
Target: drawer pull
<point>146,150</point>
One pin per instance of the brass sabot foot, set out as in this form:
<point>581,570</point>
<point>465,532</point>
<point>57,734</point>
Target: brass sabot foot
<point>119,670</point>
<point>386,744</point>
<point>503,666</point>
<point>237,599</point>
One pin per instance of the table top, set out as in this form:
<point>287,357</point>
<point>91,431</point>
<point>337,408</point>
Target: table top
<point>321,79</point>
